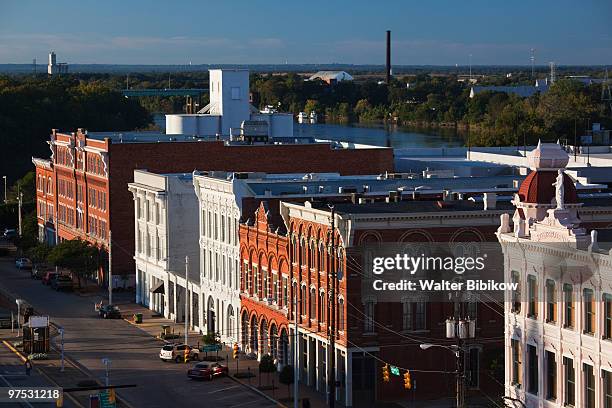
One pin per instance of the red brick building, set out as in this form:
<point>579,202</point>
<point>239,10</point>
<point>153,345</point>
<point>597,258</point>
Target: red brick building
<point>90,173</point>
<point>367,334</point>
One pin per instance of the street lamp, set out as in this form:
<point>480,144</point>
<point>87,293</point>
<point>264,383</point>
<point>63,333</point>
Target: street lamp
<point>19,303</point>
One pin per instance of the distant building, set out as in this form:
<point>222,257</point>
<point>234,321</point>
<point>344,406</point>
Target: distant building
<point>229,111</point>
<point>524,91</point>
<point>54,67</point>
<point>331,77</point>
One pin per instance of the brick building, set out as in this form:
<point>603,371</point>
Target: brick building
<point>90,173</point>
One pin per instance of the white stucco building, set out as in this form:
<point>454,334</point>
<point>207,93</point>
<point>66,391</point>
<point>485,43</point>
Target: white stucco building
<point>228,109</point>
<point>165,210</point>
<point>558,324</point>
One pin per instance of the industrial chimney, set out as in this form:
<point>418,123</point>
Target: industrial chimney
<point>388,56</point>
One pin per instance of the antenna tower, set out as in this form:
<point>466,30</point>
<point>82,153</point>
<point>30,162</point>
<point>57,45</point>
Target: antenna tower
<point>552,72</point>
<point>34,66</point>
<point>532,58</point>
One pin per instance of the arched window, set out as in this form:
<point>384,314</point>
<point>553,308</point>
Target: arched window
<point>321,257</point>
<point>340,269</point>
<point>311,254</point>
<point>295,253</point>
<point>303,248</point>
<point>313,303</point>
<point>340,314</point>
<point>303,301</point>
<point>322,306</point>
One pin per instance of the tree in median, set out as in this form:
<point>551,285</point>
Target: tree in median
<point>77,255</point>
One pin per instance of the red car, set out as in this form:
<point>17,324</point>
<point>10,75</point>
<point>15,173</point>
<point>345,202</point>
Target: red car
<point>207,371</point>
<point>48,277</point>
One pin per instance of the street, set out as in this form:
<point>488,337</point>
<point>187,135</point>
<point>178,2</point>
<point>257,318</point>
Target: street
<point>133,353</point>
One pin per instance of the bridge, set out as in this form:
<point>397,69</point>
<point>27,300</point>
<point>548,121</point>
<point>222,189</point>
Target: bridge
<point>193,92</point>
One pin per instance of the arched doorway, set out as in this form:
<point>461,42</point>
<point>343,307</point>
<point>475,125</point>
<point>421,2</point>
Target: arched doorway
<point>264,337</point>
<point>211,318</point>
<point>254,335</point>
<point>283,349</point>
<point>230,326</point>
<point>273,341</point>
<point>245,330</point>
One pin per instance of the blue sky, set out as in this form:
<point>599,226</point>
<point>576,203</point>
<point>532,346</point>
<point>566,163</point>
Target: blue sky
<point>234,31</point>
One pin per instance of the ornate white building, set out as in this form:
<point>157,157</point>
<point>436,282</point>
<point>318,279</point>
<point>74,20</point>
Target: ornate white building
<point>165,208</point>
<point>558,324</point>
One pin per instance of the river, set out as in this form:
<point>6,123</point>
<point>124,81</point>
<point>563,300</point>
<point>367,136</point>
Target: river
<point>378,135</point>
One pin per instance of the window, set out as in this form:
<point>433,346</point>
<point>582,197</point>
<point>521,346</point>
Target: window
<point>222,228</point>
<point>607,388</point>
<point>322,309</point>
<point>607,329</point>
<point>532,356</point>
<point>551,375</point>
<point>516,295</point>
<point>321,257</point>
<point>303,252</point>
<point>340,314</point>
<point>256,275</point>
<point>274,288</point>
<point>532,287</point>
<point>472,365</point>
<point>303,301</point>
<point>420,315</point>
<point>285,296</point>
<point>313,303</point>
<point>568,299</point>
<point>406,315</point>
<point>264,286</point>
<point>340,271</point>
<point>570,381</point>
<point>517,363</point>
<point>235,93</point>
<point>157,248</point>
<point>147,210</point>
<point>369,317</point>
<point>157,214</point>
<point>138,210</point>
<point>551,301</point>
<point>589,311</point>
<point>589,386</point>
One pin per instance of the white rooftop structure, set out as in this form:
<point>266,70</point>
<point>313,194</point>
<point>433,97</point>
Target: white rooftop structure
<point>332,76</point>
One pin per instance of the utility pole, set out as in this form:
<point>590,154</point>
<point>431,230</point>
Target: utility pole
<point>459,366</point>
<point>331,353</point>
<point>186,298</point>
<point>110,268</point>
<point>61,331</point>
<point>20,201</point>
<point>5,196</point>
<point>296,355</point>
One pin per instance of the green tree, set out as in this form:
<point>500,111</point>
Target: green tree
<point>39,253</point>
<point>312,105</point>
<point>80,257</point>
<point>211,338</point>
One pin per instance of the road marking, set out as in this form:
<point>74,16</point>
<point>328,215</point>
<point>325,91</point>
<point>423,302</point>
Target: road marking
<point>233,395</point>
<point>11,386</point>
<point>14,350</point>
<point>224,389</point>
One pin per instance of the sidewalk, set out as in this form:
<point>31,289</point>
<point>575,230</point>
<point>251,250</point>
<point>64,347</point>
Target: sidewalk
<point>267,383</point>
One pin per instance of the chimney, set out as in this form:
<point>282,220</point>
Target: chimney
<point>490,201</point>
<point>388,56</point>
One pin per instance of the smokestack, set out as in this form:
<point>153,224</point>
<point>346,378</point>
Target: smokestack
<point>388,56</point>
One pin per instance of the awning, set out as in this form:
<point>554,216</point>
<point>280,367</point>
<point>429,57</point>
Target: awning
<point>159,288</point>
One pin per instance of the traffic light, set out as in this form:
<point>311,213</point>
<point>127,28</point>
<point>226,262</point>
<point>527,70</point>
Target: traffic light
<point>407,380</point>
<point>385,373</point>
<point>235,350</point>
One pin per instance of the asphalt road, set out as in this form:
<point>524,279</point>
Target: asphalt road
<point>12,375</point>
<point>133,353</point>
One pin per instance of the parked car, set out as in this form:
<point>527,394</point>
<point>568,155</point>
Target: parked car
<point>48,277</point>
<point>176,353</point>
<point>10,233</point>
<point>23,263</point>
<point>39,270</point>
<point>109,312</point>
<point>62,282</point>
<point>206,371</point>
